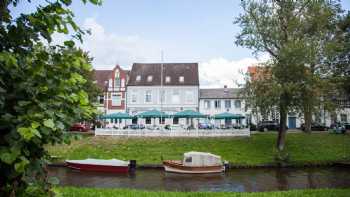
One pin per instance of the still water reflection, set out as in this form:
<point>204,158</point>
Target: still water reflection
<point>241,180</point>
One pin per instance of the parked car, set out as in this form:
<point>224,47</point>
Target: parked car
<point>347,126</point>
<point>79,127</point>
<point>252,127</point>
<point>268,126</point>
<point>338,128</point>
<point>315,127</point>
<point>134,126</point>
<point>205,126</point>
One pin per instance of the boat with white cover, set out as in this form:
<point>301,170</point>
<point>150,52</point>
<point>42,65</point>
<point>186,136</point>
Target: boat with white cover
<point>195,163</point>
<point>101,165</point>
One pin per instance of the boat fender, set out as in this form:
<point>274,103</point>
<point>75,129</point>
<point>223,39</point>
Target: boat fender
<point>132,165</point>
<point>226,165</point>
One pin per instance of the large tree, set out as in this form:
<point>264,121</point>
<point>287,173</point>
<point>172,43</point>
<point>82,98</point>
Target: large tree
<point>280,29</point>
<point>42,90</point>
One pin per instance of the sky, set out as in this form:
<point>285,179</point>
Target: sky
<point>125,32</point>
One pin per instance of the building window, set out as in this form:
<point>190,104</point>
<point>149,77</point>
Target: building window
<point>176,96</point>
<point>100,99</point>
<point>138,78</point>
<point>189,96</point>
<point>149,78</point>
<point>116,100</point>
<point>162,96</point>
<point>181,79</point>
<point>176,120</point>
<point>122,83</point>
<point>148,96</point>
<point>227,104</point>
<point>217,104</point>
<point>207,104</point>
<point>110,83</point>
<point>134,97</point>
<point>343,118</point>
<point>117,82</point>
<point>134,121</point>
<point>237,103</point>
<point>167,79</point>
<point>148,121</point>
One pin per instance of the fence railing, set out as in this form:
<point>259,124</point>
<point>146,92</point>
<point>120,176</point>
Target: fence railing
<point>172,133</point>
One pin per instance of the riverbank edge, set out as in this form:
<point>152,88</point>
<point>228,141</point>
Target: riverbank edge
<point>75,191</point>
<point>240,166</point>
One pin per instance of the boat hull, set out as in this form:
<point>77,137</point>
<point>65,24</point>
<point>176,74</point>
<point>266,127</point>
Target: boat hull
<point>98,168</point>
<point>178,167</point>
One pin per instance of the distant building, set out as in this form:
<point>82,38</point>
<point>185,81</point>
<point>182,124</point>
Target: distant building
<point>168,87</point>
<point>113,85</point>
<point>220,100</point>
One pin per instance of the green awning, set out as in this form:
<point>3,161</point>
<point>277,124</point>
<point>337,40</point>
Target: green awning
<point>189,114</point>
<point>152,114</point>
<point>119,115</point>
<point>227,115</point>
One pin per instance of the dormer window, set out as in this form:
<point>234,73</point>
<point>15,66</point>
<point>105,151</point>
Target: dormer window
<point>181,79</point>
<point>138,78</point>
<point>167,79</point>
<point>149,78</point>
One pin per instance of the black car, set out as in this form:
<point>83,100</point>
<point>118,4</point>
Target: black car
<point>268,126</point>
<point>315,127</point>
<point>347,126</point>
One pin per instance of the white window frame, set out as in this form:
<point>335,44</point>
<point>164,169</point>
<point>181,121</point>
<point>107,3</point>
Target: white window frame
<point>228,101</point>
<point>189,96</point>
<point>148,96</point>
<point>236,105</point>
<point>167,79</point>
<point>138,78</point>
<point>175,99</point>
<point>207,104</point>
<point>181,79</point>
<point>217,104</point>
<point>116,102</point>
<point>149,78</point>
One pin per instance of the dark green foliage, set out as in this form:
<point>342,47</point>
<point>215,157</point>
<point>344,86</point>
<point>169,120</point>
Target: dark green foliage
<point>42,92</point>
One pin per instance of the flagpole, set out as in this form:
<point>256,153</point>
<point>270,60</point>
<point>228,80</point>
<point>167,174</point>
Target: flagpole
<point>161,89</point>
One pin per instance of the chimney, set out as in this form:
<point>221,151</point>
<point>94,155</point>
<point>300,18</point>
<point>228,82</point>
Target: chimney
<point>225,89</point>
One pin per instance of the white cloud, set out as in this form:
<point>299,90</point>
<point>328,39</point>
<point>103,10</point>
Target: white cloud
<point>218,72</point>
<point>109,49</point>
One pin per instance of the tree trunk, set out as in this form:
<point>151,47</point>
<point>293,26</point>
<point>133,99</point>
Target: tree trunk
<point>307,118</point>
<point>282,128</point>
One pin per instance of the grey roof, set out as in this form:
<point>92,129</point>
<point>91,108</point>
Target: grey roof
<point>220,93</point>
<point>174,70</point>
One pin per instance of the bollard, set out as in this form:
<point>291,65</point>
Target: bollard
<point>132,165</point>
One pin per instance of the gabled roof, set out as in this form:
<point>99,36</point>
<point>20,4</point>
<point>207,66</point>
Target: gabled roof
<point>101,76</point>
<point>173,70</point>
<point>220,93</point>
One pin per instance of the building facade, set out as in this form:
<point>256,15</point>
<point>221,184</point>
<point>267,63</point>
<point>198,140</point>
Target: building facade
<point>220,100</point>
<point>113,85</point>
<point>168,87</point>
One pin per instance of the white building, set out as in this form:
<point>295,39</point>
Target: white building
<point>220,100</point>
<point>168,87</point>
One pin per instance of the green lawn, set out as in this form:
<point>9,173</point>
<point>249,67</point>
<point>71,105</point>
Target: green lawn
<point>86,192</point>
<point>257,149</point>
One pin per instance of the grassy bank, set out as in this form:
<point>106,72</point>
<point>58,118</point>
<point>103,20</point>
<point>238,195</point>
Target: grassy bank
<point>258,149</point>
<point>86,192</point>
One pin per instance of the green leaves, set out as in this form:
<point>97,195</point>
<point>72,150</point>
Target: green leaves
<point>49,123</point>
<point>43,89</point>
<point>20,166</point>
<point>28,133</point>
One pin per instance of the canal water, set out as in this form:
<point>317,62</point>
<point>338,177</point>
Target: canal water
<point>238,180</point>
